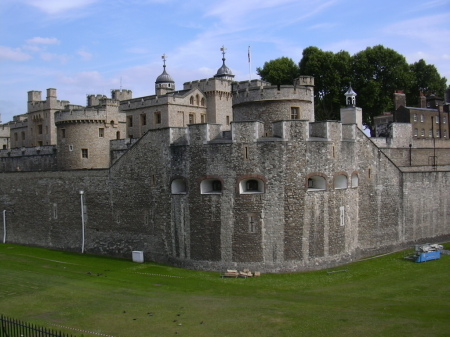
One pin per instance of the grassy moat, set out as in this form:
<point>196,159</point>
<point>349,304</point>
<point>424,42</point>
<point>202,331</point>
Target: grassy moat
<point>88,295</point>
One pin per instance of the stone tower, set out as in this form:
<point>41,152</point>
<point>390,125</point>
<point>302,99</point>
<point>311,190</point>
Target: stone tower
<point>351,114</point>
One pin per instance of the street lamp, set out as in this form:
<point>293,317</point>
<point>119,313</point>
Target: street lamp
<point>82,221</point>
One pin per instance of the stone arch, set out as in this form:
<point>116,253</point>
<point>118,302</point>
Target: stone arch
<point>178,185</point>
<point>211,185</point>
<point>316,182</point>
<point>340,181</point>
<point>251,184</point>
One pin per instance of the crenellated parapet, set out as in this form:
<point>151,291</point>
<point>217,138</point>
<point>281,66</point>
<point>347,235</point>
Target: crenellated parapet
<point>121,94</point>
<point>262,91</point>
<point>36,104</point>
<point>81,115</point>
<point>210,84</point>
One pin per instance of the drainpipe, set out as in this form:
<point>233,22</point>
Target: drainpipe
<point>82,221</point>
<point>4,226</point>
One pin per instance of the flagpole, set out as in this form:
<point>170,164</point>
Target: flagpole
<point>249,64</point>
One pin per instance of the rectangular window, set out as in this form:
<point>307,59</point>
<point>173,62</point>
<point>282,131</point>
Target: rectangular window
<point>228,120</point>
<point>40,143</point>
<point>294,112</point>
<point>422,118</point>
<point>191,119</point>
<point>203,118</point>
<point>143,119</point>
<point>101,132</point>
<point>84,153</point>
<point>23,135</point>
<point>437,119</point>
<point>415,117</point>
<point>157,117</point>
<point>40,129</point>
<point>130,121</point>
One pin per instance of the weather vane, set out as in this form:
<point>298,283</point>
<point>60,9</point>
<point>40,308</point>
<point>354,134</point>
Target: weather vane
<point>164,58</point>
<point>223,50</point>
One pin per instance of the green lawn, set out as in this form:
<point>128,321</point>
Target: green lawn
<point>386,296</point>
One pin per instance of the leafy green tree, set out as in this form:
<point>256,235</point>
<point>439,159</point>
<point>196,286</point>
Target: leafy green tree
<point>377,73</point>
<point>426,79</point>
<point>331,79</point>
<point>280,71</point>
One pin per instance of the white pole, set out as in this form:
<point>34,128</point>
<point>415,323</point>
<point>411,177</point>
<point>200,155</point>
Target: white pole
<point>249,63</point>
<point>82,221</point>
<point>4,226</point>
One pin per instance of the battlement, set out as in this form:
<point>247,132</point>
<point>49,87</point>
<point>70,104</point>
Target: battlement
<point>210,84</point>
<point>242,85</point>
<point>307,81</point>
<point>121,94</point>
<point>94,100</point>
<point>251,93</point>
<point>74,113</point>
<point>29,151</point>
<point>253,131</point>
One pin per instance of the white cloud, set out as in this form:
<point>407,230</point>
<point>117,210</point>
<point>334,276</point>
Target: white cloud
<point>7,53</point>
<point>59,6</point>
<point>85,56</point>
<point>43,40</point>
<point>50,57</point>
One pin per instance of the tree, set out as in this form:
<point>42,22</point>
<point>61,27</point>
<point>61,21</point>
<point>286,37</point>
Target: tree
<point>331,74</point>
<point>425,79</point>
<point>280,71</point>
<point>377,73</point>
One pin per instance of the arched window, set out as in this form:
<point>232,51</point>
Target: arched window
<point>118,135</point>
<point>178,186</point>
<point>317,183</point>
<point>211,186</point>
<point>197,100</point>
<point>355,180</point>
<point>340,182</point>
<point>191,100</point>
<point>251,186</point>
<point>203,101</point>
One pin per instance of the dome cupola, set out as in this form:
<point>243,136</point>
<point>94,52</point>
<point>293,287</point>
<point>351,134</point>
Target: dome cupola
<point>224,72</point>
<point>164,82</point>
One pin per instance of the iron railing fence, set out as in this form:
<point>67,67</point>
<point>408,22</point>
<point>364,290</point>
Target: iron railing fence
<point>10,327</point>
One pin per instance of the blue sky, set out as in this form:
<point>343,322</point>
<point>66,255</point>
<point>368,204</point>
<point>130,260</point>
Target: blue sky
<point>85,47</point>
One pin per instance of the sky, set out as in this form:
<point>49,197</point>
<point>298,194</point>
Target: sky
<point>83,47</point>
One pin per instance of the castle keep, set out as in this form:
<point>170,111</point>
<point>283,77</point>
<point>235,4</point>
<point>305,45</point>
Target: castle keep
<point>221,174</point>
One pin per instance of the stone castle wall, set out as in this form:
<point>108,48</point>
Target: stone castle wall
<point>151,199</point>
